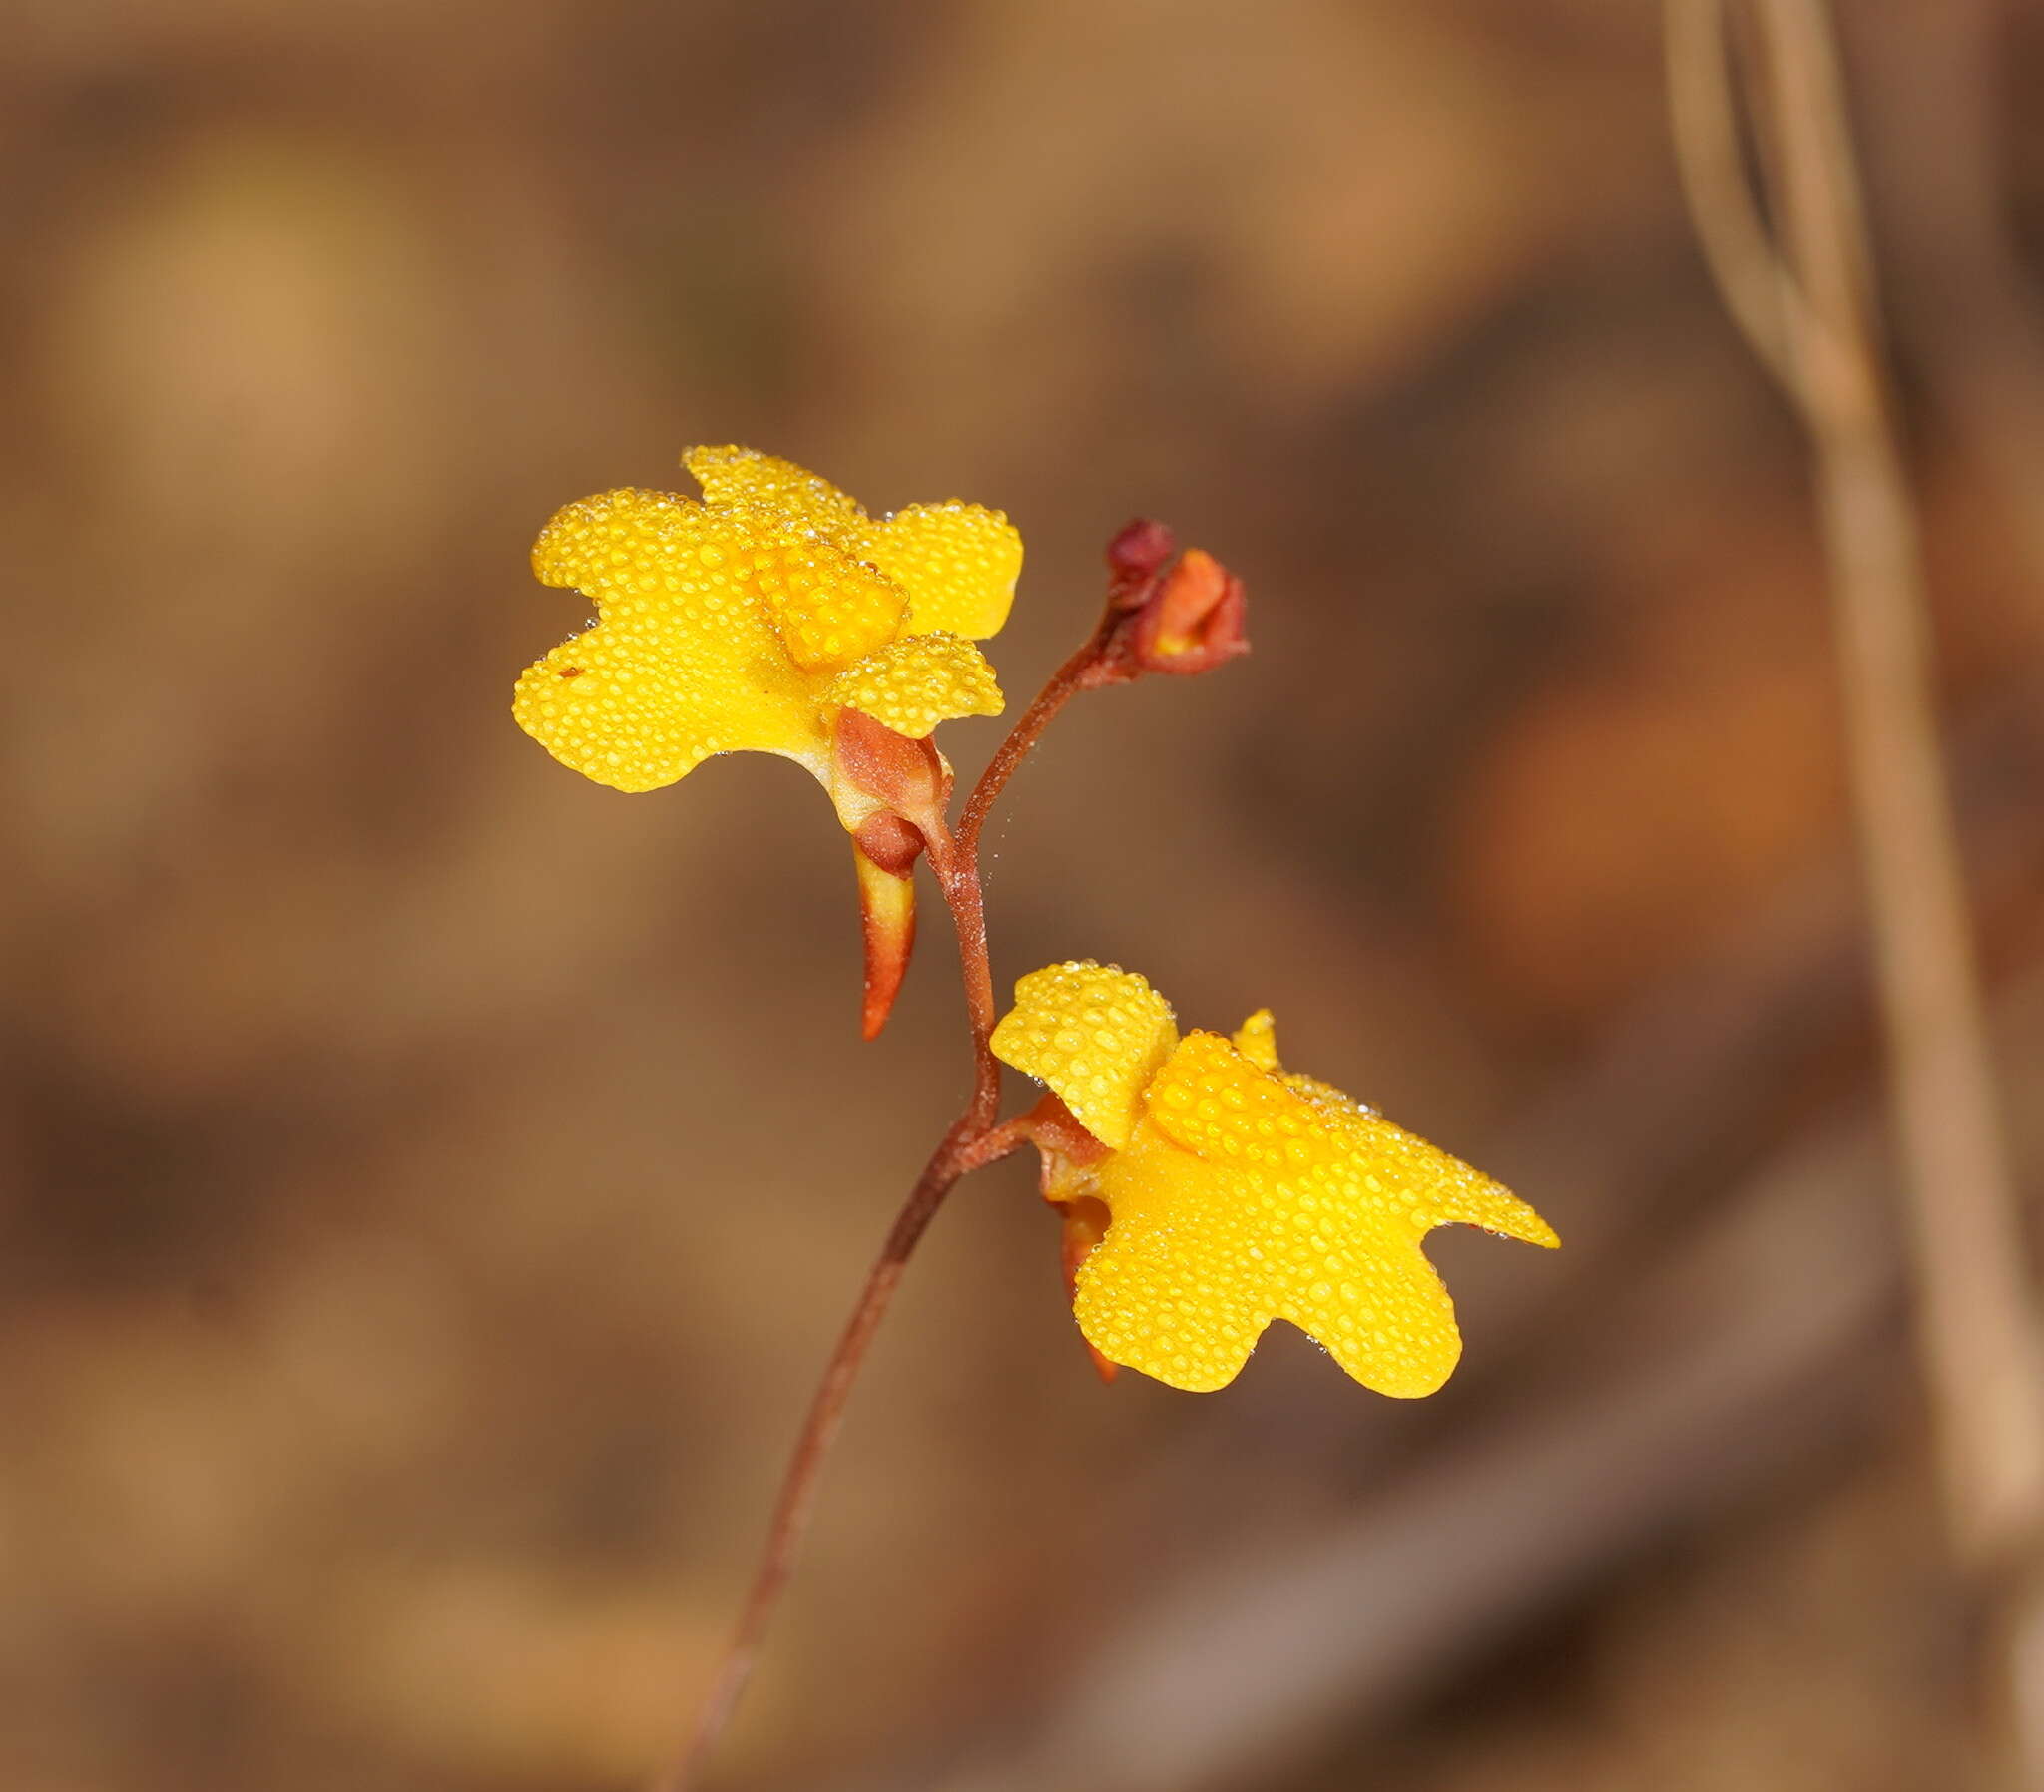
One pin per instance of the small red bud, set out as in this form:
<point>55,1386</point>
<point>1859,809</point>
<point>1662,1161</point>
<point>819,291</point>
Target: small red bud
<point>1182,617</point>
<point>1136,556</point>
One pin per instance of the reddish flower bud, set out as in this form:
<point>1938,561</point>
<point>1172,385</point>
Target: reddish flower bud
<point>1185,617</point>
<point>1136,556</point>
<point>1194,619</point>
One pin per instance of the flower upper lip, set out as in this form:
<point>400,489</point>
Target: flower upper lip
<point>747,620</point>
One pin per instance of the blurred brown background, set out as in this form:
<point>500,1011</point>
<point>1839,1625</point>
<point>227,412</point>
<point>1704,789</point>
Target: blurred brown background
<point>433,1180</point>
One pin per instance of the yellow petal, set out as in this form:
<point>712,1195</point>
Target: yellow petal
<point>1314,1213</point>
<point>957,562</point>
<point>1199,1259</point>
<point>685,661</point>
<point>1214,1101</point>
<point>1323,1096</point>
<point>732,476</point>
<point>601,544</point>
<point>1257,1040</point>
<point>918,681</point>
<point>830,609</point>
<point>1095,1034</point>
<point>1435,1188</point>
<point>1169,1290</point>
<point>1384,1316</point>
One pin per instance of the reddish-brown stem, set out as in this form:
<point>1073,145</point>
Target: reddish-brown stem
<point>792,1508</point>
<point>997,1142</point>
<point>957,872</point>
<point>972,1143</point>
<point>1071,678</point>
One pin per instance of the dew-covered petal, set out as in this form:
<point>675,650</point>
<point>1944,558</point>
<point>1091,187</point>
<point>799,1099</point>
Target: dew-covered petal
<point>685,661</point>
<point>958,562</point>
<point>1215,1102</point>
<point>830,609</point>
<point>1432,1187</point>
<point>1257,1040</point>
<point>1200,1258</point>
<point>918,681</point>
<point>1320,1206</point>
<point>1384,1315</point>
<point>744,478</point>
<point>1095,1034</point>
<point>1171,1290</point>
<point>607,542</point>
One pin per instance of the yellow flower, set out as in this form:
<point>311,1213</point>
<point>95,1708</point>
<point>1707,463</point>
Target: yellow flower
<point>758,619</point>
<point>752,619</point>
<point>1237,1193</point>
